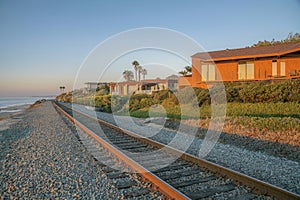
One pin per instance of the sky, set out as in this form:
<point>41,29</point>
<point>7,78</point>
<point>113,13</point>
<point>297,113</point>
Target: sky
<point>44,43</point>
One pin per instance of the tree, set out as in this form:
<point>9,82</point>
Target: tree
<point>144,73</point>
<point>292,37</point>
<point>188,69</point>
<point>289,39</point>
<point>135,65</point>
<point>128,75</point>
<point>139,70</point>
<point>183,72</point>
<point>103,90</point>
<point>62,88</point>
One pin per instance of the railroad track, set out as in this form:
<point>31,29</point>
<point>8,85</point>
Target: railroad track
<point>187,177</point>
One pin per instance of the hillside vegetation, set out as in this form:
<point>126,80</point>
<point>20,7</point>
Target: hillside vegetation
<point>254,109</point>
<point>254,92</point>
<point>291,38</point>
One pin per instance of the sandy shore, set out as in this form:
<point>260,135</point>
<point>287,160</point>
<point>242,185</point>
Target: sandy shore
<point>13,110</point>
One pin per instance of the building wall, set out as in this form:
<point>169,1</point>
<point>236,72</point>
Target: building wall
<point>132,88</point>
<point>125,88</point>
<point>184,81</point>
<point>228,71</point>
<point>196,72</point>
<point>91,86</point>
<point>291,64</point>
<point>263,69</point>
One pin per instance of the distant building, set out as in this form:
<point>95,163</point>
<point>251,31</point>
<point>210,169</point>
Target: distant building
<point>263,63</point>
<point>92,86</point>
<point>172,77</point>
<point>142,87</point>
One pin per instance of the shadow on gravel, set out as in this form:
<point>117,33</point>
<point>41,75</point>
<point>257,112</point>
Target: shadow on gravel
<point>271,148</point>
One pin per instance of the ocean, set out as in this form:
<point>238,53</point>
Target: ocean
<point>17,104</point>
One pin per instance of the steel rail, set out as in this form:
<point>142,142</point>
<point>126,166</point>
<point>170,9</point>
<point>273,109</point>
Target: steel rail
<point>257,186</point>
<point>158,184</point>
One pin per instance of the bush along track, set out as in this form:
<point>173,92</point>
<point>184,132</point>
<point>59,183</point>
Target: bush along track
<point>261,110</point>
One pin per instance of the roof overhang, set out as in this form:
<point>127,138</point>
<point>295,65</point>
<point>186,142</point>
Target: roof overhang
<point>206,56</point>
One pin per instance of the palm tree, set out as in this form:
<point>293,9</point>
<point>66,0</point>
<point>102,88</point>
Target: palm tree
<point>183,72</point>
<point>139,70</point>
<point>135,64</point>
<point>128,75</point>
<point>188,69</point>
<point>62,88</point>
<point>144,73</point>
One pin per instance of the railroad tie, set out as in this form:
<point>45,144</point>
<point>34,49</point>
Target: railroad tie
<point>173,167</point>
<point>149,157</point>
<point>136,193</point>
<point>119,142</point>
<point>126,184</point>
<point>179,174</point>
<point>247,196</point>
<point>131,146</point>
<point>153,163</point>
<point>118,174</point>
<point>208,192</point>
<point>99,163</point>
<point>109,169</point>
<point>193,181</point>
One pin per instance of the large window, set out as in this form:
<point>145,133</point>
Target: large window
<point>246,70</point>
<point>282,68</point>
<point>208,72</point>
<point>274,68</point>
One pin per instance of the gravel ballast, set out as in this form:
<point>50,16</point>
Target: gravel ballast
<point>242,154</point>
<point>42,158</point>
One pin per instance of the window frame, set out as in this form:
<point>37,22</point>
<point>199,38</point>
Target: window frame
<point>246,73</point>
<point>282,66</point>
<point>208,72</point>
<point>274,68</point>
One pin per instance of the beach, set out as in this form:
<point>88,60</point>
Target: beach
<point>13,110</point>
<point>10,106</point>
<point>42,158</point>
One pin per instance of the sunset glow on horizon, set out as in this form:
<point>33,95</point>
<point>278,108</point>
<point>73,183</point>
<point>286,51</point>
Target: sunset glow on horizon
<point>44,43</point>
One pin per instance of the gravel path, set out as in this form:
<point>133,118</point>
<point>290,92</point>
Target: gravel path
<point>41,158</point>
<point>266,166</point>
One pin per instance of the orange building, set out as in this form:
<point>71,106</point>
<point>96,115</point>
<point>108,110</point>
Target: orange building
<point>275,62</point>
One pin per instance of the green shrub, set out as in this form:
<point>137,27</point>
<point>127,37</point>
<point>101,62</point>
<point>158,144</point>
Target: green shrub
<point>259,92</point>
<point>147,102</point>
<point>103,103</point>
<point>161,95</point>
<point>203,96</point>
<point>271,123</point>
<point>118,102</point>
<point>187,95</point>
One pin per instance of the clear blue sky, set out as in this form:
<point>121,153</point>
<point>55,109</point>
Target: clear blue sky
<point>43,43</point>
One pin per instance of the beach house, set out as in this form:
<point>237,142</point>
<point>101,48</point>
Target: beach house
<point>143,86</point>
<point>262,63</point>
